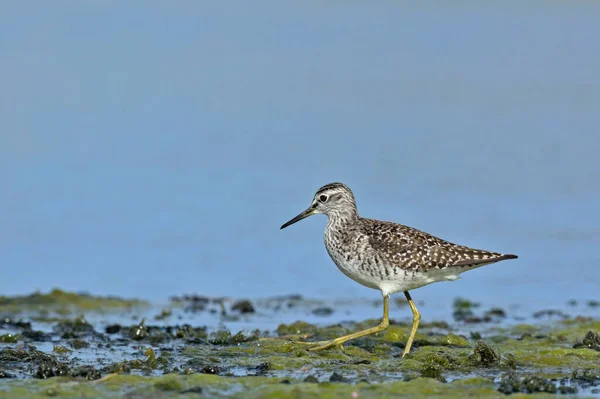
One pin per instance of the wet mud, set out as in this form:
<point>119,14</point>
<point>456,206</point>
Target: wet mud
<point>79,345</point>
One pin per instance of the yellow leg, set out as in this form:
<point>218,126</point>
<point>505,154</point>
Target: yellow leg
<point>385,322</point>
<point>415,325</point>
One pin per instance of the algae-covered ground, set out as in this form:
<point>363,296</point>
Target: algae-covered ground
<point>79,345</point>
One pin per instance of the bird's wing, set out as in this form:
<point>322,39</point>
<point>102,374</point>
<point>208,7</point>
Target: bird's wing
<point>412,249</point>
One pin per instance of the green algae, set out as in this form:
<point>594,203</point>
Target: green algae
<point>440,355</point>
<point>164,314</point>
<point>591,341</point>
<point>520,329</point>
<point>221,337</point>
<point>168,383</point>
<point>10,338</point>
<point>511,383</point>
<point>299,327</point>
<point>73,328</point>
<point>436,355</point>
<point>463,303</point>
<point>147,365</point>
<point>454,340</point>
<point>64,302</point>
<point>245,387</point>
<point>150,358</point>
<point>222,363</point>
<point>61,350</point>
<point>484,355</point>
<point>79,344</point>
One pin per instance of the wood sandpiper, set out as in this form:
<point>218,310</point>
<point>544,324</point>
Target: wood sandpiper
<point>387,256</point>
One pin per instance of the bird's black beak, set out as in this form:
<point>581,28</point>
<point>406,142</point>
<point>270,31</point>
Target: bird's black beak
<point>309,212</point>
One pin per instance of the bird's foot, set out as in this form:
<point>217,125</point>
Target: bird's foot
<point>319,346</point>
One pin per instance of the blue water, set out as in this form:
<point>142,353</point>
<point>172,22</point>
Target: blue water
<point>150,148</point>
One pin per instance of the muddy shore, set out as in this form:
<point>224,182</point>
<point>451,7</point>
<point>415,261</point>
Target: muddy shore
<point>79,345</point>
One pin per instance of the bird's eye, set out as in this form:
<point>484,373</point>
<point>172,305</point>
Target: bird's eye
<point>323,198</point>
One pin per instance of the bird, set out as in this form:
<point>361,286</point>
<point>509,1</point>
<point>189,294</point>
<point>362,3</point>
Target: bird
<point>386,256</point>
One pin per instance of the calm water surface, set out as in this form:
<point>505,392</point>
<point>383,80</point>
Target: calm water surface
<point>150,149</point>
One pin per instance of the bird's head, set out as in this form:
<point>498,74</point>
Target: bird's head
<point>333,200</point>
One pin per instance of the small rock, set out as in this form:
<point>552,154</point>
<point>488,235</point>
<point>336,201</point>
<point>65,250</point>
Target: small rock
<point>210,370</point>
<point>48,370</point>
<point>593,304</point>
<point>113,329</point>
<point>590,376</point>
<point>285,382</point>
<point>73,328</point>
<point>221,337</point>
<point>461,314</point>
<point>243,337</point>
<point>164,314</point>
<point>311,379</point>
<point>244,306</point>
<point>9,338</point>
<point>462,303</point>
<point>550,313</point>
<point>495,312</point>
<point>138,332</point>
<point>538,384</point>
<point>484,355</point>
<point>323,311</point>
<point>432,370</point>
<point>477,319</point>
<point>187,371</point>
<point>336,377</point>
<point>7,321</point>
<point>121,367</point>
<point>60,349</point>
<point>510,384</point>
<point>79,344</point>
<point>37,336</point>
<point>86,372</point>
<point>591,341</point>
<point>4,374</point>
<point>193,303</point>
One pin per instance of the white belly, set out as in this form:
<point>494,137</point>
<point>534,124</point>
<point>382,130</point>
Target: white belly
<point>402,281</point>
<point>352,270</point>
<point>411,280</point>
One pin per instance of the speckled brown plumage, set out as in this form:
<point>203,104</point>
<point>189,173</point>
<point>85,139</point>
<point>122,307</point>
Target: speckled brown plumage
<point>385,255</point>
<point>414,250</point>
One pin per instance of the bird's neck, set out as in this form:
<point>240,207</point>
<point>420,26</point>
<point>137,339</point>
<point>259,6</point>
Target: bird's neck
<point>340,219</point>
